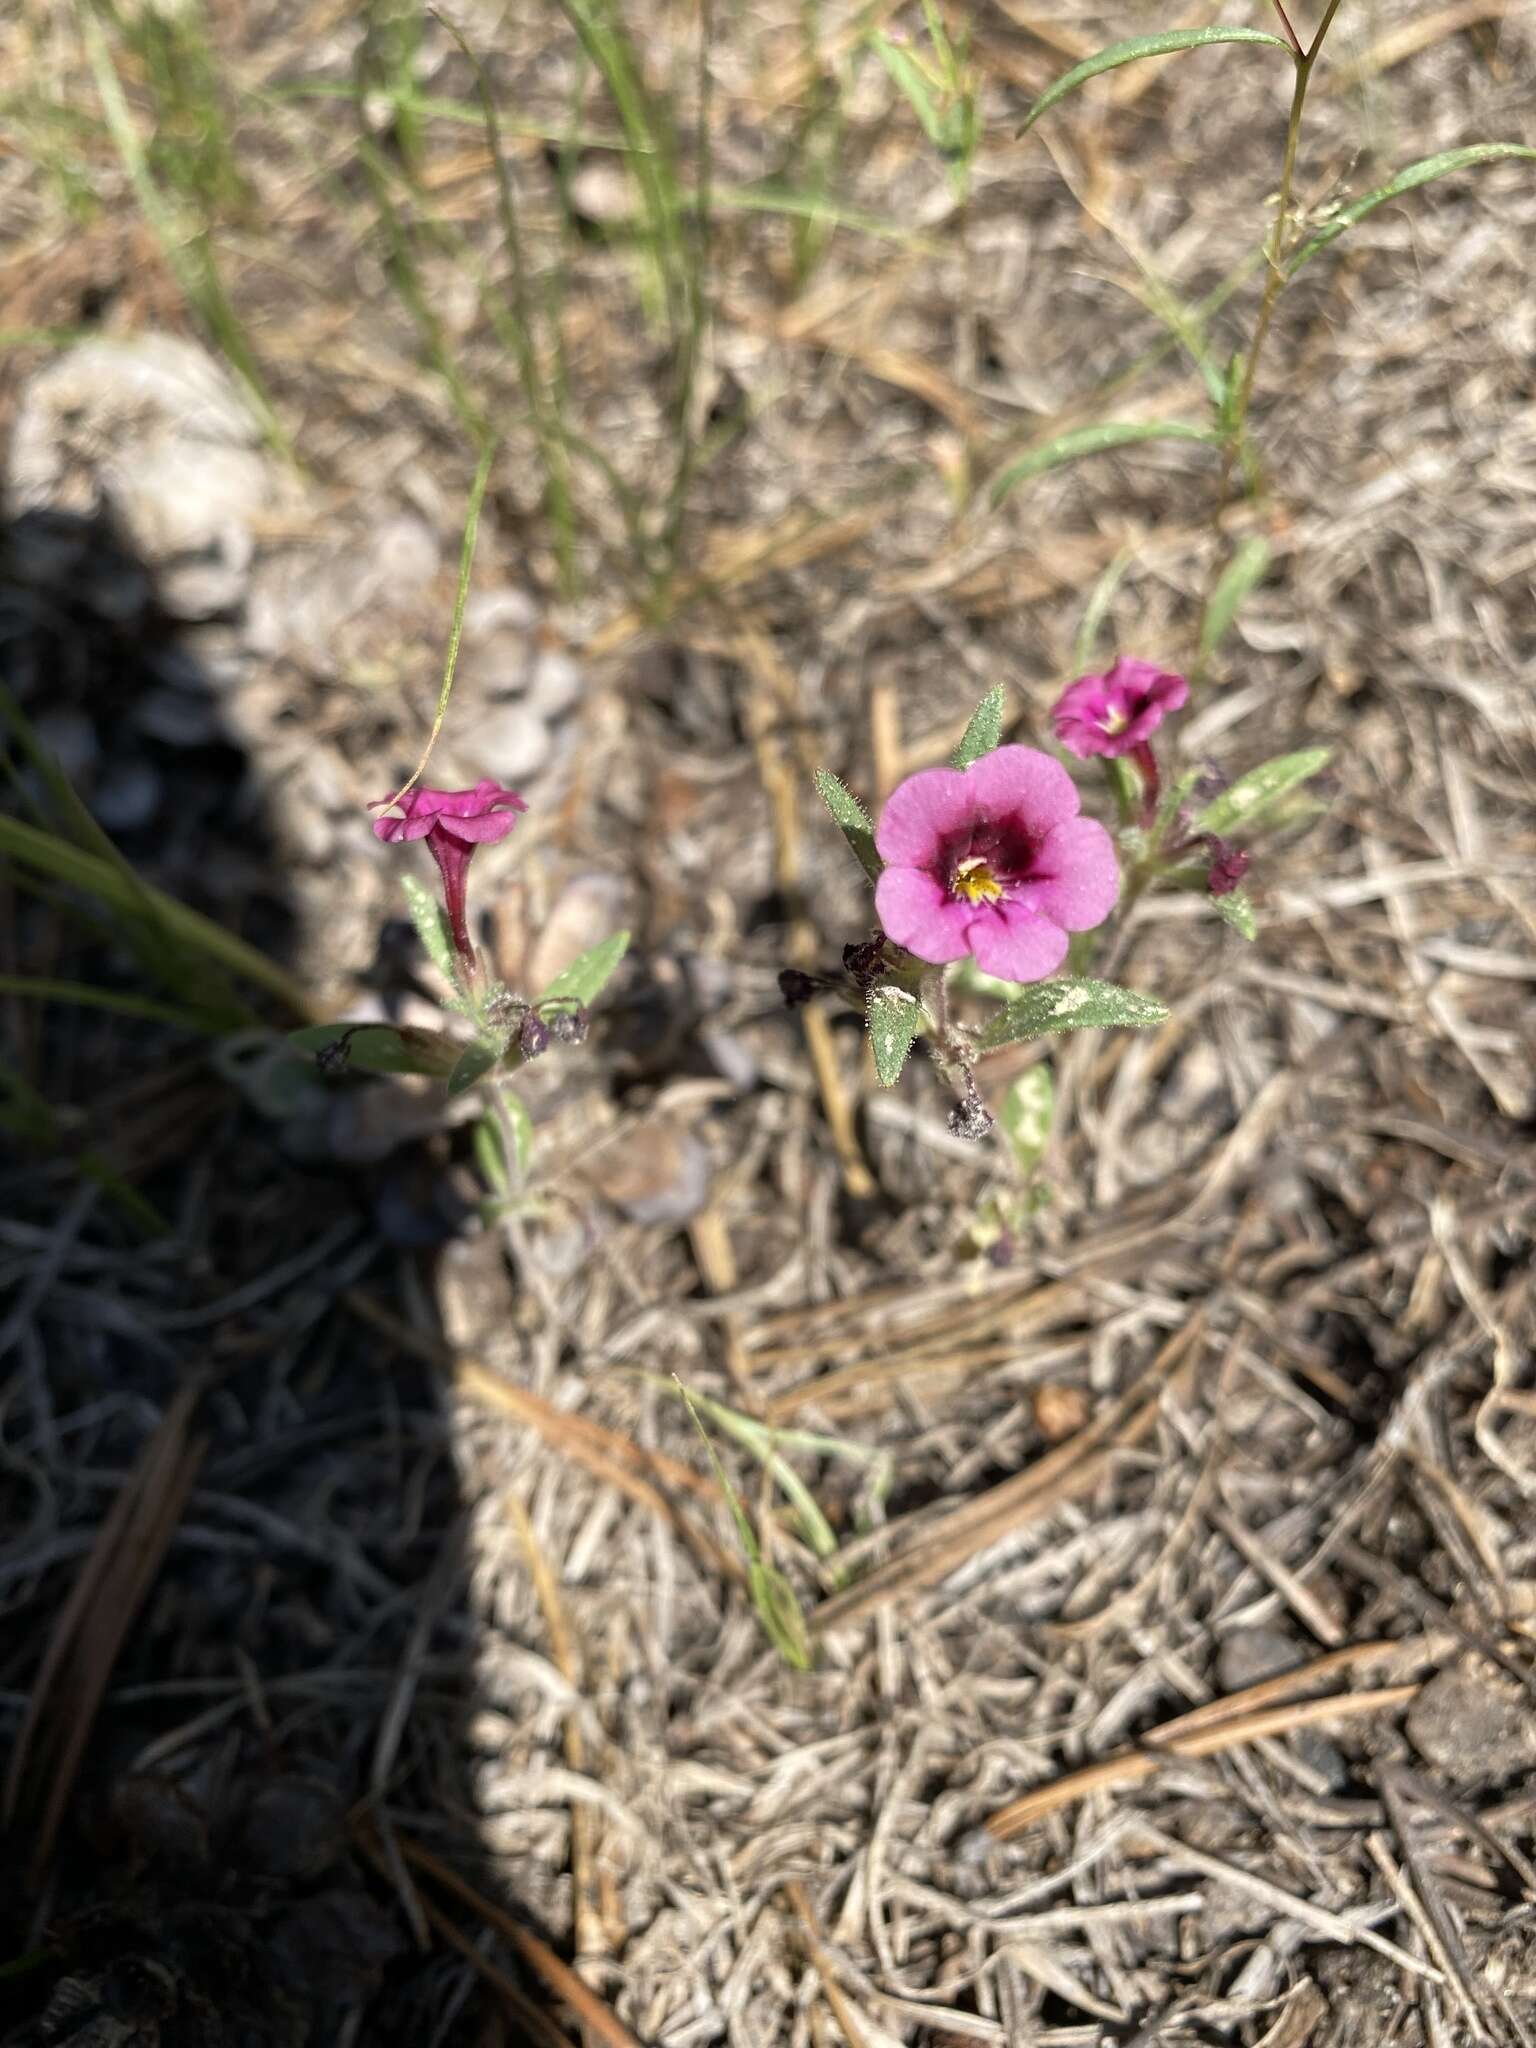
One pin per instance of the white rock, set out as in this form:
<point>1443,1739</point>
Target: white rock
<point>154,429</point>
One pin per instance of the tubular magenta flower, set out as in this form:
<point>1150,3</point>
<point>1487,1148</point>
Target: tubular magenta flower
<point>453,822</point>
<point>1118,712</point>
<point>993,860</point>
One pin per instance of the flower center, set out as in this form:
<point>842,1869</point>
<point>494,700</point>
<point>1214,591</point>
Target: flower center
<point>1114,722</point>
<point>974,881</point>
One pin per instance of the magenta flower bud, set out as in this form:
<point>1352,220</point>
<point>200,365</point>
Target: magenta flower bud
<point>993,861</point>
<point>1229,864</point>
<point>1118,712</point>
<point>453,822</point>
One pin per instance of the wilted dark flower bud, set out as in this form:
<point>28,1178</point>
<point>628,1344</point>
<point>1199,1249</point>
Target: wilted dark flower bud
<point>532,1036</point>
<point>1229,864</point>
<point>796,986</point>
<point>336,1057</point>
<point>970,1117</point>
<point>569,1026</point>
<point>863,962</point>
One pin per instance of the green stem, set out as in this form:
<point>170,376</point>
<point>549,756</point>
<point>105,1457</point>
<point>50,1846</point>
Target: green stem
<point>1274,252</point>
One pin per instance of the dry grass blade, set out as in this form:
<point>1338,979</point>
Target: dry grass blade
<point>1071,1469</point>
<point>831,1990</point>
<point>1482,1998</point>
<point>1330,1925</point>
<point>539,2029</point>
<point>1134,1764</point>
<point>94,1622</point>
<point>600,2021</point>
<point>619,1460</point>
<point>585,1913</point>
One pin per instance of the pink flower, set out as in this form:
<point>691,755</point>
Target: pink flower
<point>1116,713</point>
<point>453,822</point>
<point>993,860</point>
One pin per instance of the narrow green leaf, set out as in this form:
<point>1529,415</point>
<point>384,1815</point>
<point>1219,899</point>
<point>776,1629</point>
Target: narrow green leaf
<point>984,730</point>
<point>474,1063</point>
<point>1096,611</point>
<point>1093,441</point>
<point>1407,180</point>
<point>1261,788</point>
<point>1244,571</point>
<point>384,1048</point>
<point>1070,1003</point>
<point>522,1127</point>
<point>1163,45</point>
<point>913,83</point>
<point>1237,908</point>
<point>1026,1115</point>
<point>431,922</point>
<point>491,1155</point>
<point>586,978</point>
<point>895,1018</point>
<point>780,1612</point>
<point>852,820</point>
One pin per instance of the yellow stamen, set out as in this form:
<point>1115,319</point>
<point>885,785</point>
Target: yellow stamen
<point>1115,723</point>
<point>975,881</point>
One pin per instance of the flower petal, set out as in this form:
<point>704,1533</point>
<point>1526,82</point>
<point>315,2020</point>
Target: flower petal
<point>1076,878</point>
<point>915,911</point>
<point>1022,783</point>
<point>415,824</point>
<point>473,803</point>
<point>1017,945</point>
<point>920,812</point>
<point>484,830</point>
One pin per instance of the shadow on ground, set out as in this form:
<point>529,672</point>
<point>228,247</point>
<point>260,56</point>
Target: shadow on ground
<point>232,1634</point>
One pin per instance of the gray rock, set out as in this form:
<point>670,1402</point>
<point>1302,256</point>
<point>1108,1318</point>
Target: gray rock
<point>153,428</point>
<point>513,742</point>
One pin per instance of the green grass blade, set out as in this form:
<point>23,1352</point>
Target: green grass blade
<point>1097,440</point>
<point>1130,52</point>
<point>83,995</point>
<point>50,855</point>
<point>1407,180</point>
<point>1096,611</point>
<point>460,599</point>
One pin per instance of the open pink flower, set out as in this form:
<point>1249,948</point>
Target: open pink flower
<point>993,860</point>
<point>1118,712</point>
<point>453,822</point>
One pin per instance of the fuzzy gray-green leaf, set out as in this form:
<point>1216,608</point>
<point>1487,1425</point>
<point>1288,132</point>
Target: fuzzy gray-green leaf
<point>852,820</point>
<point>1026,1115</point>
<point>1137,47</point>
<point>1407,180</point>
<point>586,978</point>
<point>1237,908</point>
<point>1261,788</point>
<point>984,730</point>
<point>1092,441</point>
<point>895,1018</point>
<point>475,1062</point>
<point>1071,1003</point>
<point>384,1048</point>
